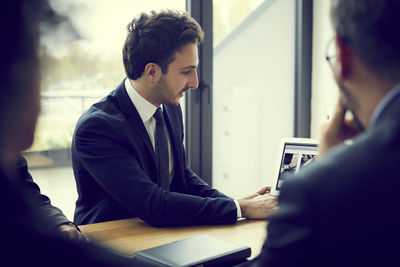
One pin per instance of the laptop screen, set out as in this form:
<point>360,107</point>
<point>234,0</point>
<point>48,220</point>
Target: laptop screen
<point>295,156</point>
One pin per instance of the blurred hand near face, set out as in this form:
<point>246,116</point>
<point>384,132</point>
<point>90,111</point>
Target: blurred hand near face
<point>338,130</point>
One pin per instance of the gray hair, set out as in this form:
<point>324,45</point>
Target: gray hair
<point>371,29</point>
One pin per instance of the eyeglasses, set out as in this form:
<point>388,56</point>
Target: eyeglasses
<point>330,52</point>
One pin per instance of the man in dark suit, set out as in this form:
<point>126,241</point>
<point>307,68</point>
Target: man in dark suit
<point>127,151</point>
<point>28,235</point>
<point>343,210</point>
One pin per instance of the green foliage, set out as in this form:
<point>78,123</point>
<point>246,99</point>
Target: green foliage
<point>77,64</point>
<point>49,137</point>
<point>77,71</point>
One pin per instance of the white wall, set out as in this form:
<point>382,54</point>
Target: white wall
<point>253,100</point>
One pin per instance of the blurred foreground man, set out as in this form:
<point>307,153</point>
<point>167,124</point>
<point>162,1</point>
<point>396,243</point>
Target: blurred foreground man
<point>29,236</point>
<point>343,210</point>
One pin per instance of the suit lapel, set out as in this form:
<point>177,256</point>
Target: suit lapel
<point>174,138</point>
<point>133,117</point>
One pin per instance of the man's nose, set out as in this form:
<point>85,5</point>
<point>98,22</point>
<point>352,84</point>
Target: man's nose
<point>194,81</point>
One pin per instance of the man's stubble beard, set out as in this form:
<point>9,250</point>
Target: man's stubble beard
<point>163,93</point>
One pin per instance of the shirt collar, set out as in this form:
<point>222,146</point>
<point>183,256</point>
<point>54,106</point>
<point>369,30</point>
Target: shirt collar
<point>383,104</point>
<point>145,109</point>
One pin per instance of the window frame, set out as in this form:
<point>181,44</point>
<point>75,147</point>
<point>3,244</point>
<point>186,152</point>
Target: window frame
<point>198,103</point>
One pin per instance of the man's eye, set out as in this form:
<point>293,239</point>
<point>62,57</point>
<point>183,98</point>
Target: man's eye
<point>186,72</point>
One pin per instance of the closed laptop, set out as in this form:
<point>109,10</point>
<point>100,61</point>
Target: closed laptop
<point>202,250</point>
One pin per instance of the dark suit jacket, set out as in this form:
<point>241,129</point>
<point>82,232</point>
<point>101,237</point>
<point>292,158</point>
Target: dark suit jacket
<point>55,216</point>
<point>29,238</point>
<point>116,175</point>
<point>342,210</point>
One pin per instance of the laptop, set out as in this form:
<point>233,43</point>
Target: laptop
<point>293,155</point>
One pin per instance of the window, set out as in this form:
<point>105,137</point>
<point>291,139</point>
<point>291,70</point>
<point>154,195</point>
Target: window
<point>77,72</point>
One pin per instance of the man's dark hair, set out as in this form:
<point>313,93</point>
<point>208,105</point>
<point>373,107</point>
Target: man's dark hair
<point>371,28</point>
<point>155,38</point>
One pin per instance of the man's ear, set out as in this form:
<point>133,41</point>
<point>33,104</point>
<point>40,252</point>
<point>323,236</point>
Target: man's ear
<point>152,72</point>
<point>343,55</point>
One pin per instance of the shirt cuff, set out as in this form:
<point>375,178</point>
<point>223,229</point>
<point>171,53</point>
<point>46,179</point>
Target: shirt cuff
<point>239,211</point>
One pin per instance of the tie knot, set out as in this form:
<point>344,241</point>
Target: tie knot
<point>158,115</point>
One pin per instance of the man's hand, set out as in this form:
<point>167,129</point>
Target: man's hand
<point>71,232</point>
<point>262,191</point>
<point>258,205</point>
<point>337,130</point>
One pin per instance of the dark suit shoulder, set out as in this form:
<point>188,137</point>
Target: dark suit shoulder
<point>343,207</point>
<point>370,157</point>
<point>105,116</point>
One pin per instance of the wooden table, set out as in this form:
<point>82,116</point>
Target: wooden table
<point>131,235</point>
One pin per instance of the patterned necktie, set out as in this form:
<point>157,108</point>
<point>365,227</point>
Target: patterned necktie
<point>162,154</point>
